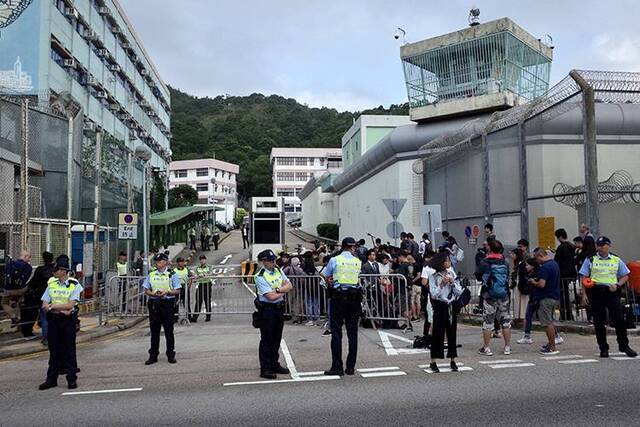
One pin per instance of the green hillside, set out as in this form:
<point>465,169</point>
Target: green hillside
<point>243,129</point>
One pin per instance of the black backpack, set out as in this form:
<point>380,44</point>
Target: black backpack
<point>14,276</point>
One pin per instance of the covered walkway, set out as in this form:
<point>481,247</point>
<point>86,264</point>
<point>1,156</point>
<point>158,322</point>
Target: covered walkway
<point>171,226</point>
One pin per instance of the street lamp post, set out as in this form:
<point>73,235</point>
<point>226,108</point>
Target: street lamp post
<point>144,155</point>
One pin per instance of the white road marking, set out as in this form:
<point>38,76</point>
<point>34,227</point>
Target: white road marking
<point>386,368</point>
<point>383,374</point>
<point>576,361</point>
<point>440,365</point>
<point>226,258</point>
<point>562,357</point>
<point>391,351</point>
<point>310,374</point>
<point>625,358</point>
<point>289,359</point>
<point>618,353</point>
<point>446,369</point>
<point>490,362</point>
<point>119,390</point>
<point>292,380</point>
<point>512,365</point>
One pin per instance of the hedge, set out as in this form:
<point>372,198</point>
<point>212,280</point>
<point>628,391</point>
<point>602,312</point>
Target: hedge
<point>329,231</point>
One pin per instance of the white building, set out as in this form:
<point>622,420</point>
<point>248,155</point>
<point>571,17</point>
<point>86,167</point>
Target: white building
<point>293,167</point>
<point>214,180</point>
<point>365,133</point>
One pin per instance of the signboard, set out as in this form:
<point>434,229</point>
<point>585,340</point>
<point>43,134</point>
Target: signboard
<point>394,229</point>
<point>475,231</point>
<point>473,241</point>
<point>546,230</point>
<point>394,206</point>
<point>467,231</point>
<point>127,226</point>
<point>431,218</point>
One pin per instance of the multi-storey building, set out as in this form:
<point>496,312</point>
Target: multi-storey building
<point>87,52</point>
<point>293,167</point>
<point>214,180</point>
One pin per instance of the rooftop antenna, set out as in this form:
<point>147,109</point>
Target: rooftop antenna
<point>474,16</point>
<point>400,33</point>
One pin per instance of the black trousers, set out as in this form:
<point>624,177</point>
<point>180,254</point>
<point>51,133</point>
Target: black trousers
<point>62,347</point>
<point>161,316</point>
<point>245,242</point>
<point>123,291</point>
<point>192,243</point>
<point>444,322</point>
<point>602,301</point>
<point>203,294</point>
<point>565,300</point>
<point>29,314</point>
<point>343,311</point>
<point>216,241</point>
<point>270,336</point>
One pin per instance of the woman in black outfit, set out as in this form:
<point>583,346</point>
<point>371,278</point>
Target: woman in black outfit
<point>444,289</point>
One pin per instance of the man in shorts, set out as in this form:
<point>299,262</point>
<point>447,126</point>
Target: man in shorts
<point>546,297</point>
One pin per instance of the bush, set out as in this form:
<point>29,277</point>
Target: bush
<point>239,216</point>
<point>329,231</point>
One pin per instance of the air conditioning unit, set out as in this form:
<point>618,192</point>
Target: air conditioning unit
<point>70,12</point>
<point>145,105</point>
<point>101,94</point>
<point>90,35</point>
<point>115,30</point>
<point>114,107</point>
<point>144,134</point>
<point>126,46</point>
<point>133,135</point>
<point>92,81</point>
<point>144,72</point>
<point>89,127</point>
<point>115,68</point>
<point>69,63</point>
<point>104,11</point>
<point>102,52</point>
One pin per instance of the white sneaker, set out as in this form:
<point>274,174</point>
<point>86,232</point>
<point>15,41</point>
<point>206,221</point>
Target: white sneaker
<point>559,339</point>
<point>507,350</point>
<point>309,323</point>
<point>486,351</point>
<point>525,340</point>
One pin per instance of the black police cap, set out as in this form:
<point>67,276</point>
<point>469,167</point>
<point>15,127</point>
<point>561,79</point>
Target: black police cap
<point>267,255</point>
<point>348,241</point>
<point>603,240</point>
<point>161,257</point>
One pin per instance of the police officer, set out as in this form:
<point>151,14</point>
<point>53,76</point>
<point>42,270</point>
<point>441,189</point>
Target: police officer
<point>271,285</point>
<point>123,270</point>
<point>161,286</point>
<point>183,274</point>
<point>203,294</point>
<point>609,274</point>
<point>342,277</point>
<point>60,301</point>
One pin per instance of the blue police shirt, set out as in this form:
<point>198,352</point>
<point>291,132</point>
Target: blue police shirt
<point>585,270</point>
<point>75,295</point>
<point>330,269</point>
<point>263,287</point>
<point>175,284</point>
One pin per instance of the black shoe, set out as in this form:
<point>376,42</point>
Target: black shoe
<point>72,385</point>
<point>151,360</point>
<point>171,359</point>
<point>332,371</point>
<point>281,370</point>
<point>350,371</point>
<point>47,385</point>
<point>208,319</point>
<point>268,375</point>
<point>434,367</point>
<point>454,367</point>
<point>604,353</point>
<point>630,352</point>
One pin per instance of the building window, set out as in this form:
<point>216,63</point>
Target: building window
<point>285,176</point>
<point>301,161</point>
<point>202,187</point>
<point>181,173</point>
<point>285,192</point>
<point>202,172</point>
<point>302,176</point>
<point>284,161</point>
<point>321,161</point>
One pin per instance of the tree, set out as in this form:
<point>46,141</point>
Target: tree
<point>182,195</point>
<point>239,216</point>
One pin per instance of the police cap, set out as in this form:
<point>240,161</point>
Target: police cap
<point>61,264</point>
<point>603,240</point>
<point>179,259</point>
<point>161,257</point>
<point>348,241</point>
<point>267,255</point>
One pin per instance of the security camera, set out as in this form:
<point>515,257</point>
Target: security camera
<point>396,35</point>
<point>400,33</point>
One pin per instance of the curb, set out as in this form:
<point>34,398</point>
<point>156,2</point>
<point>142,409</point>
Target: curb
<point>99,332</point>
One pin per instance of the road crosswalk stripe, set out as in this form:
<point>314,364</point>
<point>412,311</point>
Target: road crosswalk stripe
<point>446,369</point>
<point>562,357</point>
<point>383,374</point>
<point>625,358</point>
<point>511,365</point>
<point>440,365</point>
<point>385,368</point>
<point>576,361</point>
<point>491,362</point>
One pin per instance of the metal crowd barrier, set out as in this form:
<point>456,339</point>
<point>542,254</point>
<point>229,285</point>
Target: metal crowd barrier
<point>123,296</point>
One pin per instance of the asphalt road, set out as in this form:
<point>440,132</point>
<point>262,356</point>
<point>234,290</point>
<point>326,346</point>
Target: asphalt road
<point>215,382</point>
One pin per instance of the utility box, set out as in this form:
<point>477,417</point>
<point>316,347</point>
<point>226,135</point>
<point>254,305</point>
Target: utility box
<point>267,225</point>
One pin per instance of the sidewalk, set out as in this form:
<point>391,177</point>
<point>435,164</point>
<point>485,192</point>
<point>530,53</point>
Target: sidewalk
<point>13,344</point>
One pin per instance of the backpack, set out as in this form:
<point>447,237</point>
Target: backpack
<point>14,276</point>
<point>498,280</point>
<point>462,301</point>
<point>459,254</point>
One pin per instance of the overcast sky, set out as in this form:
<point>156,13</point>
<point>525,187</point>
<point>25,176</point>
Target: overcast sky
<point>342,54</point>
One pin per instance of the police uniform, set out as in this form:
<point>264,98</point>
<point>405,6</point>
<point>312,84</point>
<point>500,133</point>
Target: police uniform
<point>161,310</point>
<point>62,328</point>
<point>123,270</point>
<point>203,294</point>
<point>271,314</point>
<point>345,306</point>
<point>605,271</point>
<point>183,276</point>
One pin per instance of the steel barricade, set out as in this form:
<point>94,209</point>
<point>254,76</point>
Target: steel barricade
<point>386,297</point>
<point>308,299</point>
<point>217,294</point>
<point>123,296</point>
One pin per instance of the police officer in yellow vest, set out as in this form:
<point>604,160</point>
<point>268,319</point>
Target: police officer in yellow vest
<point>271,285</point>
<point>161,286</point>
<point>342,276</point>
<point>609,274</point>
<point>60,301</point>
<point>123,271</point>
<point>183,274</point>
<point>203,293</point>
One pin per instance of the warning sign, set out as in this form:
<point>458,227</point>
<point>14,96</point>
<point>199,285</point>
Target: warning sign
<point>475,231</point>
<point>546,230</point>
<point>127,226</point>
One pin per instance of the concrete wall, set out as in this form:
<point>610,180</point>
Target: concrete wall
<point>319,208</point>
<point>362,210</point>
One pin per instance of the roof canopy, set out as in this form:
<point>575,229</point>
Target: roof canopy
<point>176,214</point>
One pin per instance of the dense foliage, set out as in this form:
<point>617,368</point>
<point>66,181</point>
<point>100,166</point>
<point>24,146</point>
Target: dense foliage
<point>182,195</point>
<point>243,129</point>
<point>330,231</point>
